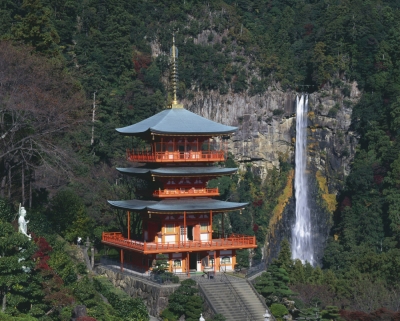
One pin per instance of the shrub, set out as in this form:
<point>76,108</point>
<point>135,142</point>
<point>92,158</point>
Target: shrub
<point>278,112</point>
<point>278,310</point>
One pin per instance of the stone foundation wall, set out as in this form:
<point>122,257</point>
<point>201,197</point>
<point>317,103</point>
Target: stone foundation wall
<point>154,295</point>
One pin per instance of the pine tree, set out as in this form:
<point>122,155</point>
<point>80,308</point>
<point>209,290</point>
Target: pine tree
<point>284,259</point>
<point>273,284</point>
<point>16,267</point>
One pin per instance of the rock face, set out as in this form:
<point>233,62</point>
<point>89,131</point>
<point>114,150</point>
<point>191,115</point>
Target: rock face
<point>267,134</point>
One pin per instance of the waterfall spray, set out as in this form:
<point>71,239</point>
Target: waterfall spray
<point>302,247</point>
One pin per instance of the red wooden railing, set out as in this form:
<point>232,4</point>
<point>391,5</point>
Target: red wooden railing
<point>184,192</point>
<point>167,157</point>
<point>232,242</point>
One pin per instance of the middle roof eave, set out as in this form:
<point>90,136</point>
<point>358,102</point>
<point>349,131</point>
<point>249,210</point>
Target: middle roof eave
<point>178,205</point>
<point>179,171</point>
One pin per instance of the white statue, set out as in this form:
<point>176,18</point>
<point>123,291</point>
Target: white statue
<point>22,224</point>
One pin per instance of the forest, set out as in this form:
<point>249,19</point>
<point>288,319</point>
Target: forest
<point>72,71</point>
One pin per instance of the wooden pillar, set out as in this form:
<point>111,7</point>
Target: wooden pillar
<point>210,226</point>
<point>216,260</point>
<point>122,260</point>
<point>187,264</point>
<point>223,225</point>
<point>129,224</point>
<point>184,227</point>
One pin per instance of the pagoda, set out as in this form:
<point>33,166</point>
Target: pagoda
<point>177,218</point>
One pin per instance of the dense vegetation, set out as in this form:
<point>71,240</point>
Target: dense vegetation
<point>302,291</point>
<point>56,54</point>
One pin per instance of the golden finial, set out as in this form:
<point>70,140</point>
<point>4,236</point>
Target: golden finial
<point>174,71</point>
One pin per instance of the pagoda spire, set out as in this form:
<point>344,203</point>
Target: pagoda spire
<point>174,72</point>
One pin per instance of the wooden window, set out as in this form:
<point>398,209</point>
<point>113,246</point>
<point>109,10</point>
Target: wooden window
<point>226,260</point>
<point>169,228</point>
<point>203,227</point>
<point>177,263</point>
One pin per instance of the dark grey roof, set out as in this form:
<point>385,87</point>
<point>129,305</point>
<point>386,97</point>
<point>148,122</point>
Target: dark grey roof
<point>178,171</point>
<point>177,121</point>
<point>178,205</point>
<point>135,205</point>
<point>133,170</point>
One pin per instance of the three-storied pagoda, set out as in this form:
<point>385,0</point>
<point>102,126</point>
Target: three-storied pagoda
<point>178,220</point>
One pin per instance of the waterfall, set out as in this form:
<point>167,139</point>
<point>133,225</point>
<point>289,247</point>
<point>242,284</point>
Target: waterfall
<point>302,247</point>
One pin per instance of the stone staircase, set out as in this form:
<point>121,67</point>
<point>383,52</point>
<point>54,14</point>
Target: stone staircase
<point>233,297</point>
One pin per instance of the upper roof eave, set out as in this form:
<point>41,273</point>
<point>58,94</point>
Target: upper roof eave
<point>176,121</point>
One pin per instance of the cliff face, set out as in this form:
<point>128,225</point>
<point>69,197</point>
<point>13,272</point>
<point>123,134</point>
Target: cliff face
<point>267,134</point>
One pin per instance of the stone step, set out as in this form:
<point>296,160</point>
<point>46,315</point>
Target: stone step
<point>223,302</point>
<point>224,299</point>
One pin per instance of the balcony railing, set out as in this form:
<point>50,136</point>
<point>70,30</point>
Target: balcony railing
<point>233,242</point>
<point>186,192</point>
<point>167,157</point>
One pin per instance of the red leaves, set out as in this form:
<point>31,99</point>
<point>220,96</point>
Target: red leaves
<point>86,319</point>
<point>346,202</point>
<point>41,256</point>
<point>141,61</point>
<point>309,27</point>
<point>381,314</point>
<point>53,286</point>
<point>378,179</point>
<point>355,315</point>
<point>258,203</point>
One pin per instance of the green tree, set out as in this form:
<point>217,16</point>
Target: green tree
<point>36,29</point>
<point>284,259</point>
<point>273,284</point>
<point>15,266</point>
<point>6,213</point>
<point>184,301</point>
<point>65,211</point>
<point>279,311</point>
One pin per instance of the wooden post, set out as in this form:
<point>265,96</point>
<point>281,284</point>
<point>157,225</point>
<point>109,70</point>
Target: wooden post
<point>129,225</point>
<point>188,264</point>
<point>122,260</point>
<point>215,261</point>
<point>223,227</point>
<point>210,225</point>
<point>184,227</point>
